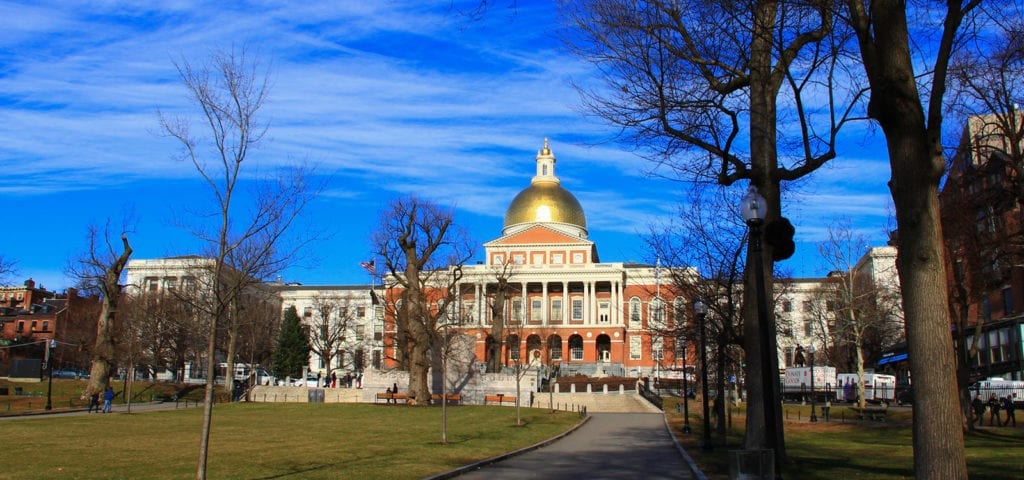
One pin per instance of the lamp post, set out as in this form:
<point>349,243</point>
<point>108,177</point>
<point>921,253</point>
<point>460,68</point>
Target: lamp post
<point>686,393</point>
<point>753,208</point>
<point>810,353</point>
<point>702,310</point>
<point>49,366</point>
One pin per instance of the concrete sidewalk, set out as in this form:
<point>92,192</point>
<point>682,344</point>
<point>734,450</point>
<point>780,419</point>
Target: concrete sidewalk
<point>609,445</point>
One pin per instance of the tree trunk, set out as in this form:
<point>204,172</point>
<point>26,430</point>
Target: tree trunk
<point>419,362</point>
<point>494,362</point>
<point>938,434</point>
<point>103,351</point>
<point>763,162</point>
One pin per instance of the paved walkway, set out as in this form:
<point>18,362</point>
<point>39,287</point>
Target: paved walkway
<point>117,408</point>
<point>609,445</point>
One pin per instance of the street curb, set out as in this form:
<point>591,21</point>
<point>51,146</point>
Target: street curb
<point>697,474</point>
<point>487,461</point>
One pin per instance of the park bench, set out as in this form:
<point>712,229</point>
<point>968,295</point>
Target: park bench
<point>871,413</point>
<point>499,399</point>
<point>388,396</point>
<point>453,398</point>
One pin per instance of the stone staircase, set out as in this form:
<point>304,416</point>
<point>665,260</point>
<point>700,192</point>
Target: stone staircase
<point>612,402</point>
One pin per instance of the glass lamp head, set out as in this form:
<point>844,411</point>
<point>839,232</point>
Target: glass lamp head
<point>754,207</point>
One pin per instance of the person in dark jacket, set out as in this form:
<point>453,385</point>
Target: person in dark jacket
<point>1008,406</point>
<point>979,409</point>
<point>94,402</point>
<point>993,410</point>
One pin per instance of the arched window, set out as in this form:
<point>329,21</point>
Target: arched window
<point>634,311</point>
<point>513,347</point>
<point>576,347</point>
<point>555,347</point>
<point>679,312</point>
<point>657,315</point>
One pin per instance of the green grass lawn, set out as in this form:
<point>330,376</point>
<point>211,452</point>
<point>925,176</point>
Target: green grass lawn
<point>847,449</point>
<point>280,441</point>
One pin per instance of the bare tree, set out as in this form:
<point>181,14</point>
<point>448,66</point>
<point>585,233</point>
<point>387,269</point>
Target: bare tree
<point>99,270</point>
<point>686,79</point>
<point>423,253</point>
<point>987,81</point>
<point>704,253</point>
<point>6,268</point>
<point>502,273</point>
<point>330,327</point>
<point>229,91</point>
<point>908,106</point>
<point>858,307</point>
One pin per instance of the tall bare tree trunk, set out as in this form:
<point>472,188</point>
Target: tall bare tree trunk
<point>103,351</point>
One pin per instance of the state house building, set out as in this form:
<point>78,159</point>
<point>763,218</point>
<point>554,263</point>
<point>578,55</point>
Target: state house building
<point>564,306</point>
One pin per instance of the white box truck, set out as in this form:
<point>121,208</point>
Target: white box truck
<point>1001,388</point>
<point>878,387</point>
<point>796,383</point>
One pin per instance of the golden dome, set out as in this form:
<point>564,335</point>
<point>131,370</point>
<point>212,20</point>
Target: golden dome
<point>545,200</point>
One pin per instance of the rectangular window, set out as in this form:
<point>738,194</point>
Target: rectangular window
<point>21,326</point>
<point>499,259</point>
<point>657,348</point>
<point>360,332</point>
<point>808,328</point>
<point>360,312</point>
<point>34,325</point>
<point>787,306</point>
<point>538,259</point>
<point>577,309</point>
<point>557,258</point>
<point>518,259</point>
<point>602,312</point>
<point>1007,302</point>
<point>808,306</point>
<point>468,309</point>
<point>171,283</point>
<point>536,309</point>
<point>577,258</point>
<point>993,344</point>
<point>152,284</point>
<point>635,348</point>
<point>46,325</point>
<point>556,310</point>
<point>517,310</point>
<point>307,312</point>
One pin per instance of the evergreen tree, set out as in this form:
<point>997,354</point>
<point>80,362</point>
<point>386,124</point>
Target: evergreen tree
<point>292,351</point>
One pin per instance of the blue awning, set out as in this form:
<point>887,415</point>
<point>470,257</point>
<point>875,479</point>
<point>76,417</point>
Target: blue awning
<point>892,359</point>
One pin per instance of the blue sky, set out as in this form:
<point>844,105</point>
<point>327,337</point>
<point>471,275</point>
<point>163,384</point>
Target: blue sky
<point>387,98</point>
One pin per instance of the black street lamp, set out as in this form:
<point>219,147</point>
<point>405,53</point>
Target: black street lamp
<point>686,393</point>
<point>753,208</point>
<point>702,310</point>
<point>810,353</point>
<point>49,366</point>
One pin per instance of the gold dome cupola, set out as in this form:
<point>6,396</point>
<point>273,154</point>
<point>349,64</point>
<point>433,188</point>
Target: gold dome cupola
<point>545,201</point>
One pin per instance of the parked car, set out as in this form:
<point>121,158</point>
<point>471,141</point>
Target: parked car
<point>66,373</point>
<point>311,381</point>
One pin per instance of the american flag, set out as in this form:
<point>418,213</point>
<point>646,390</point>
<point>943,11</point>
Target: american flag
<point>369,266</point>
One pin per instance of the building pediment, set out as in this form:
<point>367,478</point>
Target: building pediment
<point>537,235</point>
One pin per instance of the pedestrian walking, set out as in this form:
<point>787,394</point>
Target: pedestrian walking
<point>108,399</point>
<point>1008,406</point>
<point>993,410</point>
<point>94,402</point>
<point>979,409</point>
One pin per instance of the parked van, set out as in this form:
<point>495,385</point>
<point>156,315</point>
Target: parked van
<point>878,388</point>
<point>796,383</point>
<point>1001,387</point>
